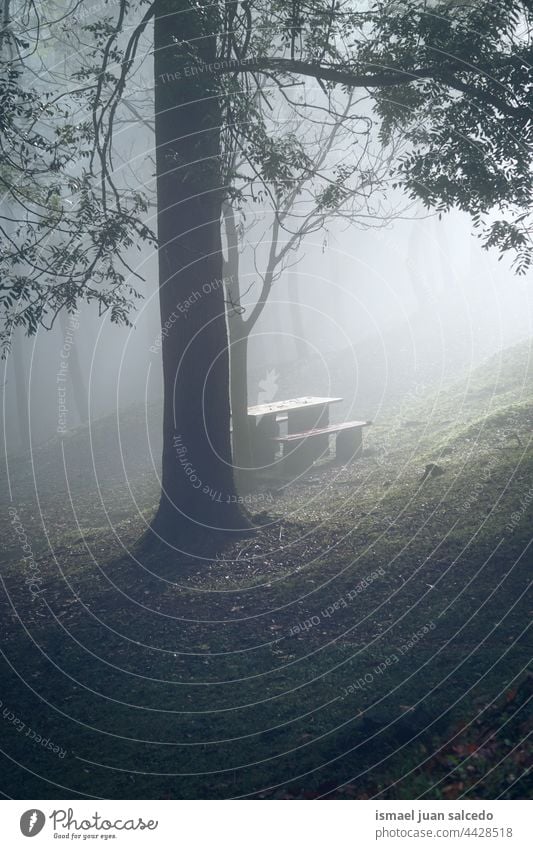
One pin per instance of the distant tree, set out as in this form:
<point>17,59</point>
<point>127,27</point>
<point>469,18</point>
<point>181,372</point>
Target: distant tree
<point>327,184</point>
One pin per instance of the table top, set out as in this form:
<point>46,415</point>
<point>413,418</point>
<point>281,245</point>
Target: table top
<point>289,405</point>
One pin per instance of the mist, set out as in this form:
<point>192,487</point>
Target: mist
<point>420,297</point>
<point>267,408</point>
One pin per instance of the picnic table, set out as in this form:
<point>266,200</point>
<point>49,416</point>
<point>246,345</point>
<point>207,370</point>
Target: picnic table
<point>308,431</point>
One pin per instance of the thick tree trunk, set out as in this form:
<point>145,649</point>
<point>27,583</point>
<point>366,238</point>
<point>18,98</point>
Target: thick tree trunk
<point>198,491</point>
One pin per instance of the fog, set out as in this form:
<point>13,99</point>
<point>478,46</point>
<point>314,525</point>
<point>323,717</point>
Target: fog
<point>271,536</point>
<point>396,280</point>
<point>419,284</point>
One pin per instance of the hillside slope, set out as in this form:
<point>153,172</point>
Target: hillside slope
<point>371,639</point>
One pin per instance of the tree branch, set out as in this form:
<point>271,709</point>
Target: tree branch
<point>384,78</point>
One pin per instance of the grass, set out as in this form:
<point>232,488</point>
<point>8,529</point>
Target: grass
<point>369,641</point>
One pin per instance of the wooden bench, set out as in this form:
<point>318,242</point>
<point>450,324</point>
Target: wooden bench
<point>298,414</point>
<point>280,419</point>
<point>300,450</point>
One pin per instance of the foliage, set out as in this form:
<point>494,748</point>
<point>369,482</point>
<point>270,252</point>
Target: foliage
<point>60,243</point>
<point>453,79</point>
<point>469,120</point>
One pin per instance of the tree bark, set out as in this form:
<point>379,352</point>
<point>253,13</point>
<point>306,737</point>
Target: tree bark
<point>238,337</point>
<point>242,451</point>
<point>198,490</point>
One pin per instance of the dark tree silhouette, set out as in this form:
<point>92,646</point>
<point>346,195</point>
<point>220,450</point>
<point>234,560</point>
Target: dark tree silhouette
<point>197,484</point>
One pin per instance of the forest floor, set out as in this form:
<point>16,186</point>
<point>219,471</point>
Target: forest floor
<point>369,641</point>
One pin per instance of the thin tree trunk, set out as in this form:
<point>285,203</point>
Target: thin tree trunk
<point>238,335</point>
<point>242,451</point>
<point>198,490</point>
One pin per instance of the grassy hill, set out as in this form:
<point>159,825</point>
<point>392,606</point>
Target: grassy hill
<point>370,640</point>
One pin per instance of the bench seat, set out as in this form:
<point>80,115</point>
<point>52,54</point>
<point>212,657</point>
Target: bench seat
<point>319,431</point>
<point>300,449</point>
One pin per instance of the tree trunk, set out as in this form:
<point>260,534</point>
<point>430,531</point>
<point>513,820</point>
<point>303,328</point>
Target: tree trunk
<point>198,490</point>
<point>238,336</point>
<point>242,450</point>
